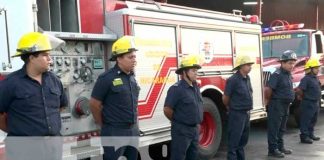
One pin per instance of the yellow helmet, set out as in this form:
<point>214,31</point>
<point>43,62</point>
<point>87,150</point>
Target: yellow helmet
<point>32,42</point>
<point>191,61</point>
<point>123,45</point>
<point>311,63</point>
<point>241,60</point>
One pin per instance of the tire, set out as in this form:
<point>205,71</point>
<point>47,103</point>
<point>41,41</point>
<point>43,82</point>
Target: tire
<point>210,131</point>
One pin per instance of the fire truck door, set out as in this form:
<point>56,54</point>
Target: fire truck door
<point>249,44</point>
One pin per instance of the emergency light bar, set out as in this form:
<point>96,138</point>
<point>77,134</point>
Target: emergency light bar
<point>284,27</point>
<point>254,19</point>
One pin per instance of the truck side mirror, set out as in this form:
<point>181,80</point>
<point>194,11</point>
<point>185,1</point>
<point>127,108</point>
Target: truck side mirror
<point>319,43</point>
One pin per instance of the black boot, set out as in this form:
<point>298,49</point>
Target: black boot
<point>315,138</point>
<point>276,153</point>
<point>285,151</point>
<point>306,140</point>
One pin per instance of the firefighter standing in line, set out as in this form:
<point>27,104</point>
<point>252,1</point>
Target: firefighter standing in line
<point>114,101</point>
<point>184,108</point>
<point>309,92</point>
<point>30,103</point>
<point>279,93</point>
<point>238,99</point>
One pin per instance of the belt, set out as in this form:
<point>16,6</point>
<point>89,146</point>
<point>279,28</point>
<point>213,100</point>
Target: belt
<point>313,100</point>
<point>121,125</point>
<point>283,99</point>
<point>240,110</point>
<point>188,125</point>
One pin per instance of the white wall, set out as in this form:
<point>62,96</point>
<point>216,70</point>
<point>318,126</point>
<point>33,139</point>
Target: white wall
<point>20,21</point>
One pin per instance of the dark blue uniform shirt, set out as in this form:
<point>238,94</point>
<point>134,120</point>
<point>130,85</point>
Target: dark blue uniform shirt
<point>186,102</point>
<point>281,84</point>
<point>118,93</point>
<point>311,87</point>
<point>239,89</point>
<point>33,109</point>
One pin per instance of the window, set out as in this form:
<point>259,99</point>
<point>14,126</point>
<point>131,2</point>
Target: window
<point>247,44</point>
<point>214,46</point>
<point>275,45</point>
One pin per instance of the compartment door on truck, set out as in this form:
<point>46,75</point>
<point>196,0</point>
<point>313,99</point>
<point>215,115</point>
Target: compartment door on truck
<point>249,44</point>
<point>214,47</point>
<point>155,72</point>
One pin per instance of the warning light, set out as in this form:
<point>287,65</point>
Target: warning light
<point>252,19</point>
<point>281,25</point>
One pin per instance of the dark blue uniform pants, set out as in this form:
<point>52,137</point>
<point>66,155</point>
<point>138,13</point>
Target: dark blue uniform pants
<point>308,117</point>
<point>238,133</point>
<point>277,119</point>
<point>119,141</point>
<point>184,144</point>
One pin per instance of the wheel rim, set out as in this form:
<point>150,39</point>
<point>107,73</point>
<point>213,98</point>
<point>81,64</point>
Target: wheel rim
<point>207,130</point>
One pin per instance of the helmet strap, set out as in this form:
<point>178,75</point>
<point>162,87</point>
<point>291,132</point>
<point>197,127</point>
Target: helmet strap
<point>312,71</point>
<point>187,76</point>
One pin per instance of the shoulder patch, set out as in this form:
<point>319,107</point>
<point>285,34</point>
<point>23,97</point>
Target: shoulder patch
<point>111,71</point>
<point>108,73</point>
<point>278,71</point>
<point>12,75</point>
<point>176,84</point>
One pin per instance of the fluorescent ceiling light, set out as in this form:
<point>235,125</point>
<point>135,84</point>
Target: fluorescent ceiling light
<point>251,3</point>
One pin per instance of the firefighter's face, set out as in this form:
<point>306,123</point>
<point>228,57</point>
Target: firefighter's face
<point>246,68</point>
<point>127,61</point>
<point>42,61</point>
<point>192,73</point>
<point>315,70</point>
<point>289,65</point>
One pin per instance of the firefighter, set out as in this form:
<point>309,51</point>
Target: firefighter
<point>279,94</point>
<point>31,99</point>
<point>114,102</point>
<point>238,100</point>
<point>309,92</point>
<point>184,108</point>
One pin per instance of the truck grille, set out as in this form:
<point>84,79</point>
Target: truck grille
<point>266,77</point>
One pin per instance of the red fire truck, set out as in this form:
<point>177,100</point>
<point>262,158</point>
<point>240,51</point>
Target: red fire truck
<point>165,33</point>
<point>282,36</point>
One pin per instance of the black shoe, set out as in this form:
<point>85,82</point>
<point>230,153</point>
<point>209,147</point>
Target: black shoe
<point>315,138</point>
<point>285,151</point>
<point>276,153</point>
<point>306,140</point>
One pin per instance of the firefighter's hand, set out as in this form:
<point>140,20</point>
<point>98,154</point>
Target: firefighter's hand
<point>266,104</point>
<point>227,110</point>
<point>3,122</point>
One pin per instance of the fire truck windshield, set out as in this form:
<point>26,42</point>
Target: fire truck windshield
<point>274,45</point>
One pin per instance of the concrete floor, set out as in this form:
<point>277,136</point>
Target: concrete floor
<point>257,146</point>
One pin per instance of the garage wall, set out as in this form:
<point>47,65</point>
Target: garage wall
<point>294,11</point>
<point>216,5</point>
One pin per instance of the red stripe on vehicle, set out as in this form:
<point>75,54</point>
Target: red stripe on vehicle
<point>146,110</point>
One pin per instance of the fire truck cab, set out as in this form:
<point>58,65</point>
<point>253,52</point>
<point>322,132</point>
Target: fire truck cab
<point>164,33</point>
<point>282,36</point>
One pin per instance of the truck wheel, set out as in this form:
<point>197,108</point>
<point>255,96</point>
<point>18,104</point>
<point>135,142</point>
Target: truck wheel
<point>210,130</point>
